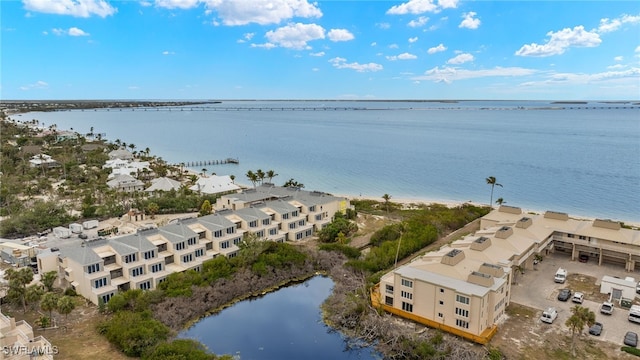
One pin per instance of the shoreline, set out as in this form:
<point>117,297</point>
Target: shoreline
<point>406,202</point>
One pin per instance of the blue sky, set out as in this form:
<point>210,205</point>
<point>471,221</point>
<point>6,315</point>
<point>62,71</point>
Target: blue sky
<point>295,49</point>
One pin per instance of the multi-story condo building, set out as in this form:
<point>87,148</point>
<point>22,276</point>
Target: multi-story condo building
<point>99,269</point>
<point>464,287</point>
<point>18,343</point>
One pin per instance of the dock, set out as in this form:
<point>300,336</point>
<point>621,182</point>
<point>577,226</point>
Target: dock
<point>210,162</point>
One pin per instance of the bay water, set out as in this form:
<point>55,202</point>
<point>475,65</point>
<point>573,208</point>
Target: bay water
<point>583,159</point>
<point>286,324</point>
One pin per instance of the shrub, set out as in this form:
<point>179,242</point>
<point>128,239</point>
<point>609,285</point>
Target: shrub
<point>631,350</point>
<point>134,333</point>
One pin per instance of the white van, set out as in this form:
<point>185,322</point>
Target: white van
<point>549,315</point>
<point>634,314</point>
<point>561,276</point>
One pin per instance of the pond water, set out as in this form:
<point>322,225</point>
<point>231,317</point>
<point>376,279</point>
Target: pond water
<point>285,324</point>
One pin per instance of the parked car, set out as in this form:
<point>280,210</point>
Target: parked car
<point>564,294</point>
<point>83,236</point>
<point>631,339</point>
<point>596,329</point>
<point>638,288</point>
<point>578,297</point>
<point>583,258</point>
<point>549,315</point>
<point>606,308</point>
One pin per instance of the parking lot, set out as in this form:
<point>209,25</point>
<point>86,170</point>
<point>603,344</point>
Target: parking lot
<point>537,289</point>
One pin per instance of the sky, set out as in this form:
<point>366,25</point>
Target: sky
<point>342,50</point>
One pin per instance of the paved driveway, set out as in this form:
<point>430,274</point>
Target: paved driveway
<point>537,289</point>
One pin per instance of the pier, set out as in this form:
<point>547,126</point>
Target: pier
<point>209,162</point>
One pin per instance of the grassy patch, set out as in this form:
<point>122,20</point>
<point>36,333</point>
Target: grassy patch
<point>586,285</point>
<point>521,311</point>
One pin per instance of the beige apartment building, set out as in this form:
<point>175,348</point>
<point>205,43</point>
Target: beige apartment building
<point>18,343</point>
<point>99,269</point>
<point>464,287</point>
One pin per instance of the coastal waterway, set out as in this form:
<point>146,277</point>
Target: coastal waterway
<point>578,158</point>
<point>285,324</point>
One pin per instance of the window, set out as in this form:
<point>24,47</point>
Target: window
<point>231,230</point>
<point>224,244</point>
<point>266,222</point>
<point>130,258</point>
<point>462,312</point>
<point>407,307</point>
<point>440,302</point>
<point>292,225</point>
<point>462,299</point>
<point>254,223</point>
<point>199,252</point>
<point>100,283</point>
<point>407,283</point>
<point>191,241</point>
<point>406,295</point>
<point>441,290</point>
<point>285,216</point>
<point>145,285</point>
<point>93,268</point>
<point>294,214</point>
<point>237,241</point>
<point>582,237</point>
<point>137,271</point>
<point>570,235</point>
<point>440,315</point>
<point>273,231</point>
<point>462,323</point>
<point>187,258</point>
<point>156,268</point>
<point>301,223</point>
<point>308,232</point>
<point>318,217</point>
<point>106,298</point>
<point>388,300</point>
<point>389,289</point>
<point>260,234</point>
<point>312,208</point>
<point>180,246</point>
<point>149,255</point>
<point>218,233</point>
<point>298,236</point>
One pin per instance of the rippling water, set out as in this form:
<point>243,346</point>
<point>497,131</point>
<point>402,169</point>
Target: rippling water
<point>583,159</point>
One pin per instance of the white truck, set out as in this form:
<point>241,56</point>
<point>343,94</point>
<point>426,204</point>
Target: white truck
<point>61,232</point>
<point>549,315</point>
<point>561,276</point>
<point>90,224</point>
<point>75,228</point>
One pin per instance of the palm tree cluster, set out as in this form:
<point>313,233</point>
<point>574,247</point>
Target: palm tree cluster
<point>491,180</point>
<point>259,176</point>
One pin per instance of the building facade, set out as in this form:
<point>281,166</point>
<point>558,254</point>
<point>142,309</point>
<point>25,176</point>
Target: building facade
<point>464,287</point>
<point>100,269</point>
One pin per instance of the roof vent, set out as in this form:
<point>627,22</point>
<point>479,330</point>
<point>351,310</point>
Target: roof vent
<point>504,232</point>
<point>556,215</point>
<point>453,257</point>
<point>480,243</point>
<point>481,279</point>
<point>524,223</point>
<point>607,224</point>
<point>510,209</point>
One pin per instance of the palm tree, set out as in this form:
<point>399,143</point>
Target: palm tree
<point>500,201</point>
<point>49,303</point>
<point>491,180</point>
<point>252,177</point>
<point>233,178</point>
<point>580,317</point>
<point>260,175</point>
<point>66,305</point>
<point>386,198</point>
<point>271,174</point>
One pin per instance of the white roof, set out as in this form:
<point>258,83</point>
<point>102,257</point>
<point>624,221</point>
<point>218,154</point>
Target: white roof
<point>214,184</point>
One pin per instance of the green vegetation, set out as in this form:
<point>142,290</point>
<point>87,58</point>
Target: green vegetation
<point>182,349</point>
<point>134,332</point>
<point>349,251</point>
<point>631,350</point>
<point>338,230</point>
<point>580,317</point>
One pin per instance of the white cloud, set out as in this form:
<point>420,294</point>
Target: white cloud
<point>437,49</point>
<point>77,8</point>
<point>637,50</point>
<point>263,12</point>
<point>341,63</point>
<point>37,85</point>
<point>460,59</point>
<point>393,46</point>
<point>560,41</point>
<point>609,25</point>
<point>618,58</point>
<point>74,31</point>
<point>417,7</point>
<point>144,3</point>
<point>469,21</point>
<point>340,35</point>
<point>616,66</point>
<point>632,74</point>
<point>413,39</point>
<point>166,52</point>
<point>403,56</point>
<point>177,4</point>
<point>419,22</point>
<point>318,54</point>
<point>264,46</point>
<point>374,44</point>
<point>450,74</point>
<point>383,26</point>
<point>295,36</point>
<point>448,4</point>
